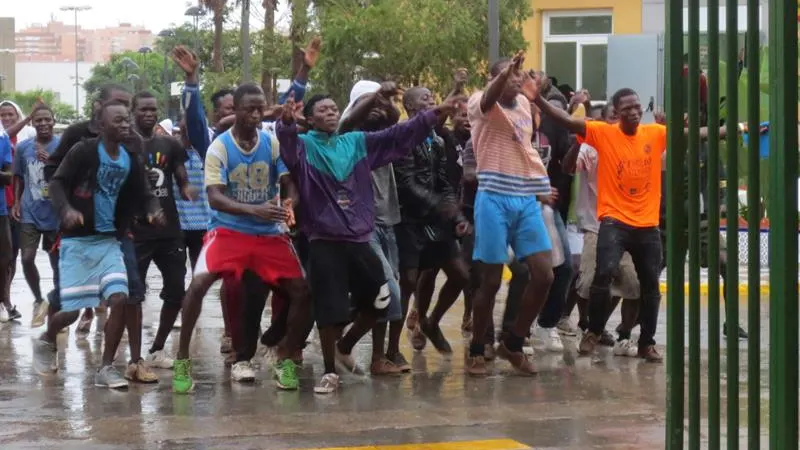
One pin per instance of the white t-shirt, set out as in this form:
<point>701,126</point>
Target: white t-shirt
<point>586,205</point>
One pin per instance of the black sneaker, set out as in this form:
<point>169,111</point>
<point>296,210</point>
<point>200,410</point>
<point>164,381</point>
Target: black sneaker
<point>13,314</point>
<point>607,340</point>
<point>742,334</point>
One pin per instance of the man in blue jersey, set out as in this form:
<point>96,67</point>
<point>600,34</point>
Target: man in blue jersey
<point>33,208</point>
<point>247,233</point>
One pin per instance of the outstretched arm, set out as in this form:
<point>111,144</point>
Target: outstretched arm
<point>575,125</point>
<point>196,123</point>
<point>300,82</point>
<point>365,104</point>
<point>497,85</point>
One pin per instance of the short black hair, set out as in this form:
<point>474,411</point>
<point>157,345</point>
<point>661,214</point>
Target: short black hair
<point>111,103</point>
<point>43,108</point>
<point>141,95</point>
<point>104,93</point>
<point>624,92</point>
<point>246,89</point>
<point>411,95</point>
<point>308,109</point>
<point>217,96</point>
<point>498,66</point>
<point>606,112</point>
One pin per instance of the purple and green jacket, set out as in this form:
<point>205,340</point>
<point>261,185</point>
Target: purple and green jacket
<point>332,174</point>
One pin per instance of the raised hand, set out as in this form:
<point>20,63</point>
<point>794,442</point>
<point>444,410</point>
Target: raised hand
<point>312,51</point>
<point>516,62</point>
<point>460,78</point>
<point>185,59</point>
<point>288,111</point>
<point>389,89</point>
<point>452,103</point>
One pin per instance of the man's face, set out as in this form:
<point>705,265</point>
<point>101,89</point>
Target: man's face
<point>250,111</point>
<point>8,116</point>
<point>513,86</point>
<point>383,115</point>
<point>43,122</point>
<point>116,122</point>
<point>325,116</point>
<point>461,121</point>
<point>224,107</point>
<point>115,95</point>
<point>630,110</point>
<point>423,101</point>
<point>146,113</point>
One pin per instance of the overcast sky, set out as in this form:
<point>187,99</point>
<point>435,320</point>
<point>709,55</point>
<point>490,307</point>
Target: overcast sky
<point>155,15</point>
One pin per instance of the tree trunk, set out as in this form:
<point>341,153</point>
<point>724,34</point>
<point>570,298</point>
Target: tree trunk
<point>219,18</point>
<point>297,32</point>
<point>247,76</point>
<point>268,50</point>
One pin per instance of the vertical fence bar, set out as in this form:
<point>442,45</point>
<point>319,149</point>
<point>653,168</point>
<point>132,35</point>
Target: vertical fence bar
<point>753,55</point>
<point>713,226</point>
<point>783,361</point>
<point>693,167</point>
<point>732,209</point>
<point>675,212</point>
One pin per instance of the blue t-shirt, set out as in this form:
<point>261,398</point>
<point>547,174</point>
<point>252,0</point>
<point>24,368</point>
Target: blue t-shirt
<point>249,177</point>
<point>36,206</point>
<point>5,158</point>
<point>111,175</point>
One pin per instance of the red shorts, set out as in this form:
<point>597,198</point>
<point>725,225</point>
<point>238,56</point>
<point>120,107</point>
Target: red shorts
<point>272,258</point>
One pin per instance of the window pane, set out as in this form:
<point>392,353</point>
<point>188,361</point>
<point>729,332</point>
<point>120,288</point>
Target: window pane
<point>594,60</point>
<point>560,61</point>
<point>580,25</point>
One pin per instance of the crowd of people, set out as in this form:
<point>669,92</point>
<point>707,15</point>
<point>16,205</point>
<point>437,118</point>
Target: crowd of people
<point>341,219</point>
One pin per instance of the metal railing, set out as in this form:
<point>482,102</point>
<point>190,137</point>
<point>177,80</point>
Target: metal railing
<point>684,229</point>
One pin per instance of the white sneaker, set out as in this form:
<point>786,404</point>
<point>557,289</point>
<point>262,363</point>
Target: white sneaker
<point>548,339</point>
<point>160,360</point>
<point>178,324</point>
<point>328,384</point>
<point>567,327</point>
<point>243,372</point>
<point>3,314</point>
<point>626,347</point>
<point>39,314</point>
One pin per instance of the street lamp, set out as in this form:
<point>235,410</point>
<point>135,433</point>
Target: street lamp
<point>165,34</point>
<point>75,10</point>
<point>195,12</point>
<point>129,65</point>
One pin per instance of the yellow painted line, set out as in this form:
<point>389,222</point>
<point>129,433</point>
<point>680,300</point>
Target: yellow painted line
<point>763,289</point>
<point>494,444</point>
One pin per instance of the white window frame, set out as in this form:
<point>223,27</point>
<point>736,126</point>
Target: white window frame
<point>579,39</point>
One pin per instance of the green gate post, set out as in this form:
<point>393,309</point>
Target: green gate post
<point>675,212</point>
<point>713,227</point>
<point>753,230</point>
<point>732,210</point>
<point>783,160</point>
<point>693,167</point>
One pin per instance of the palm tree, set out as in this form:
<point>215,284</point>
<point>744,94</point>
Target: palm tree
<point>245,38</point>
<point>268,39</point>
<point>217,7</point>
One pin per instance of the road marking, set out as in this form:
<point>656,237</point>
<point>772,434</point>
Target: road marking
<point>494,444</point>
<point>743,288</point>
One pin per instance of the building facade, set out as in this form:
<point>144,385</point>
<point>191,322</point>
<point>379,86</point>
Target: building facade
<point>55,42</point>
<point>7,73</point>
<point>569,38</point>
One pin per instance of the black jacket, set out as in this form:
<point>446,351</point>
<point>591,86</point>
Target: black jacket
<point>423,184</point>
<point>75,182</point>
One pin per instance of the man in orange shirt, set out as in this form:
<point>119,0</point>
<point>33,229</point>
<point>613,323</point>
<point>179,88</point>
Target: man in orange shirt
<point>629,193</point>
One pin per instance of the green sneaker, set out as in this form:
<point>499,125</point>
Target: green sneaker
<point>286,374</point>
<point>182,382</point>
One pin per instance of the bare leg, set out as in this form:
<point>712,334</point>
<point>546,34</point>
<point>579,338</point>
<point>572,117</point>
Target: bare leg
<point>133,323</point>
<point>192,305</point>
<point>115,326</point>
<point>483,303</point>
<point>31,273</point>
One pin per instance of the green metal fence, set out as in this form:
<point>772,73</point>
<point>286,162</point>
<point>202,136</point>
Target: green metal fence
<point>687,425</point>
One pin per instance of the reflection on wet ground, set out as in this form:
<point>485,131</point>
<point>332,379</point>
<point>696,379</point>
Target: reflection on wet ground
<point>602,402</point>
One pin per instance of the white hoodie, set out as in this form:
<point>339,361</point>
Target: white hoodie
<point>27,132</point>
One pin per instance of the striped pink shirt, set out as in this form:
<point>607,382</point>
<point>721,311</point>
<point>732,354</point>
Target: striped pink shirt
<point>507,162</point>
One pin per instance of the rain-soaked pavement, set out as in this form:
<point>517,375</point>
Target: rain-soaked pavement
<point>574,403</point>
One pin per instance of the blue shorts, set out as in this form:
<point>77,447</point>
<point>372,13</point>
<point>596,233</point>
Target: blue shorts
<point>503,221</point>
<point>91,269</point>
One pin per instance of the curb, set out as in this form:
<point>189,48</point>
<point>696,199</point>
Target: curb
<point>743,288</point>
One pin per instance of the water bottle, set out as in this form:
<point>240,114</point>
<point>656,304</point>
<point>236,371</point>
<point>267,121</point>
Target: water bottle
<point>557,252</point>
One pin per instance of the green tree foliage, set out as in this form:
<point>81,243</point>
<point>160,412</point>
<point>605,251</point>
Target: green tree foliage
<point>63,112</point>
<point>411,41</point>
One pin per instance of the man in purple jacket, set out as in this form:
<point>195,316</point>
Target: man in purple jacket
<point>337,213</point>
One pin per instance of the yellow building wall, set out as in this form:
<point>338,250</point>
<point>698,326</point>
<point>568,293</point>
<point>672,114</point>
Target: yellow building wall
<point>626,19</point>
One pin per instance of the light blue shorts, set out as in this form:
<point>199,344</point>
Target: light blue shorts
<point>503,221</point>
<point>92,269</point>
